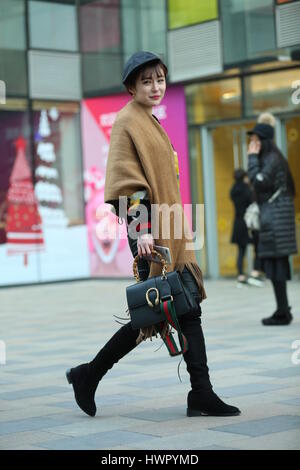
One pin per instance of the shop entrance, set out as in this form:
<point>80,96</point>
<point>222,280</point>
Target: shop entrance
<point>290,144</point>
<point>229,151</point>
<point>224,148</point>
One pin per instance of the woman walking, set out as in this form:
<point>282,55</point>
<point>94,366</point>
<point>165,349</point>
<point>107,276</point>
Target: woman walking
<point>241,197</point>
<point>270,175</point>
<point>142,167</point>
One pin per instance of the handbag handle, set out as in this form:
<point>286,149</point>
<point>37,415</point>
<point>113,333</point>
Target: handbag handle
<point>163,262</point>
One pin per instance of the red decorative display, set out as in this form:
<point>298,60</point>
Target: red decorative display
<point>24,225</point>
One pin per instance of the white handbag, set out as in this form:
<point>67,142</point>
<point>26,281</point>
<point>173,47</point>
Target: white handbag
<point>252,214</point>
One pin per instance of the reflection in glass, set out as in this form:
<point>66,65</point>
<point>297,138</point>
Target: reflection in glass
<point>197,184</point>
<point>13,69</point>
<point>274,91</point>
<point>293,153</point>
<point>58,181</point>
<point>52,25</point>
<point>144,27</point>
<point>248,29</point>
<point>100,43</point>
<point>213,101</point>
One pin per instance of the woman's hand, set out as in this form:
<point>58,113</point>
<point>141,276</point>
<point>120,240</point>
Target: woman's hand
<point>254,147</point>
<point>145,244</point>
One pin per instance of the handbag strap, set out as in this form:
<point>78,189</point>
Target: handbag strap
<point>168,309</point>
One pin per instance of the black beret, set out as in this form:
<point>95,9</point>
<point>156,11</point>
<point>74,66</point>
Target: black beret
<point>136,60</point>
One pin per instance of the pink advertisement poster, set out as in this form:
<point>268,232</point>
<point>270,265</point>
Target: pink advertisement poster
<point>110,255</point>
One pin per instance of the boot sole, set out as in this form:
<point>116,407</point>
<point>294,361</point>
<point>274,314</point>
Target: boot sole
<point>193,413</point>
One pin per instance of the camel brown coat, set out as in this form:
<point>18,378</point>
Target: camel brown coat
<point>141,157</point>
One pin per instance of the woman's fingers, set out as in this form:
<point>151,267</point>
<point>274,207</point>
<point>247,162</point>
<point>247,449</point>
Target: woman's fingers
<point>145,244</point>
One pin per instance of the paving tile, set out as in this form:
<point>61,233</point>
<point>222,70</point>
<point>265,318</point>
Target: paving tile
<point>34,392</point>
<point>291,402</point>
<point>247,389</point>
<point>141,402</point>
<point>260,427</point>
<point>32,424</point>
<point>102,440</point>
<point>282,373</point>
<point>159,415</point>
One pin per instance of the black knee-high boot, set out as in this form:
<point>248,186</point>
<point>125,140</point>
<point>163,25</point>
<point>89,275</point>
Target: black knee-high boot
<point>86,377</point>
<point>201,400</point>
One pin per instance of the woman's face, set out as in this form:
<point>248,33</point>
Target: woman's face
<point>254,138</point>
<point>150,86</point>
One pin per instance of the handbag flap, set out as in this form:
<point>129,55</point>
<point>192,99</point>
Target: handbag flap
<point>136,293</point>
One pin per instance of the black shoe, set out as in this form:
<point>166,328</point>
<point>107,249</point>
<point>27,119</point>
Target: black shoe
<point>84,388</point>
<point>280,317</point>
<point>207,403</point>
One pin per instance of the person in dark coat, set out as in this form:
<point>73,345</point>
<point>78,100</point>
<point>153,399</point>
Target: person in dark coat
<point>270,175</point>
<point>241,197</point>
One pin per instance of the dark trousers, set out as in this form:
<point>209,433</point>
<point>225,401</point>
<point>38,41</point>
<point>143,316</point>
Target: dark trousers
<point>240,258</point>
<point>124,341</point>
<point>280,292</point>
<point>257,262</point>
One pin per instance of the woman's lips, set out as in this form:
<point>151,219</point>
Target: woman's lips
<point>155,97</point>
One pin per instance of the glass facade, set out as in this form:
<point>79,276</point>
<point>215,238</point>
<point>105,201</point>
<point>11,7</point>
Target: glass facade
<point>110,32</point>
<point>248,30</point>
<point>197,188</point>
<point>13,70</point>
<point>144,27</point>
<point>100,44</point>
<point>61,63</point>
<point>48,23</point>
<point>274,91</point>
<point>214,100</point>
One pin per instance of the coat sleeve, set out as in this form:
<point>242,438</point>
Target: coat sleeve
<point>262,176</point>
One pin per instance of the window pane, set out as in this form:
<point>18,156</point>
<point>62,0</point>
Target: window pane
<point>293,146</point>
<point>59,190</point>
<point>276,92</point>
<point>144,27</point>
<point>58,163</point>
<point>183,13</point>
<point>197,185</point>
<point>13,71</point>
<point>19,214</point>
<point>100,26</point>
<point>53,26</point>
<point>12,25</point>
<point>12,47</point>
<point>213,101</point>
<point>248,29</point>
<point>101,46</point>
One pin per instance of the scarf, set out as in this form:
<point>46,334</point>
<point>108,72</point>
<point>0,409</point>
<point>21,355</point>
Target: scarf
<point>141,157</point>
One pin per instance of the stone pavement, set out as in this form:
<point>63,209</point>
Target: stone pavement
<point>141,402</point>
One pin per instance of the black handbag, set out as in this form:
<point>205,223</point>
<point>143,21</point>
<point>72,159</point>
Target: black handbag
<point>159,299</point>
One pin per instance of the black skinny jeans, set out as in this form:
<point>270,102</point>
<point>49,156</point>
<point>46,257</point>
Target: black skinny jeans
<point>190,324</point>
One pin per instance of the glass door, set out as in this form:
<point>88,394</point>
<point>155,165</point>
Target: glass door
<point>229,152</point>
<point>292,152</point>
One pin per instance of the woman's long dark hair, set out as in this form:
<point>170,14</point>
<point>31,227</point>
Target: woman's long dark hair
<point>269,146</point>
